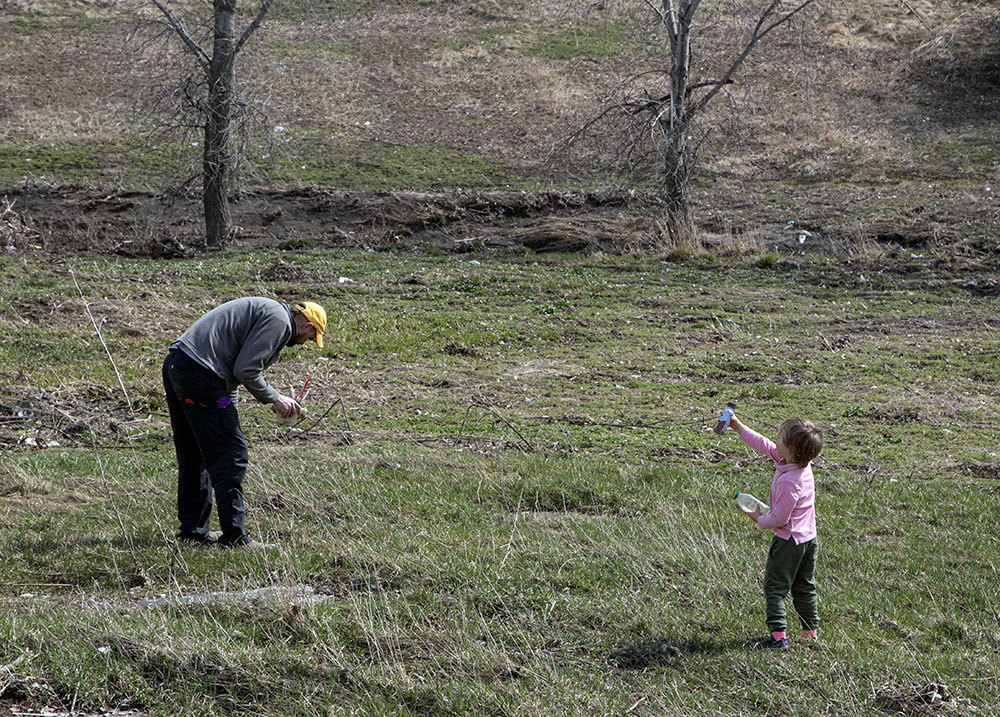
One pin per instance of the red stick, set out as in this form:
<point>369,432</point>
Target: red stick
<point>304,387</point>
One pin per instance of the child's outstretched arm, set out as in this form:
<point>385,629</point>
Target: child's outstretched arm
<point>759,443</point>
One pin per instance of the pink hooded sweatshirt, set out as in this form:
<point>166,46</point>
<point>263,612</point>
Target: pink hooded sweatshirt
<point>793,497</point>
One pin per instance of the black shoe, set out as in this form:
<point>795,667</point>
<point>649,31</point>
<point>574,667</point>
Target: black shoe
<point>772,643</point>
<point>195,538</point>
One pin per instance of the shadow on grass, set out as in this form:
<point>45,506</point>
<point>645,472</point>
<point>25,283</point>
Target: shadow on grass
<point>653,651</point>
<point>62,544</point>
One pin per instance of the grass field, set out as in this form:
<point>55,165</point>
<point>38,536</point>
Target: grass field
<point>506,498</point>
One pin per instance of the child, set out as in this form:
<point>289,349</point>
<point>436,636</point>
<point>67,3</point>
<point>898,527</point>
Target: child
<point>791,560</point>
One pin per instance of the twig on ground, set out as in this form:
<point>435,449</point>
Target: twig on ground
<point>916,15</point>
<point>317,420</point>
<point>343,406</point>
<point>496,413</point>
<point>636,704</point>
<point>461,431</point>
<point>908,384</point>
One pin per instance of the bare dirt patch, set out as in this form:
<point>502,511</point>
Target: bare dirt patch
<point>159,226</point>
<point>149,225</point>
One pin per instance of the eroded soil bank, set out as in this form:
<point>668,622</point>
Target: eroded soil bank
<point>169,225</point>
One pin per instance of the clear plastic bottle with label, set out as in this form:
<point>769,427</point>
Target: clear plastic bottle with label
<point>748,504</point>
<point>723,423</point>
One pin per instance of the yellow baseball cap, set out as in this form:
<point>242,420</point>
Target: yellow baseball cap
<point>316,315</point>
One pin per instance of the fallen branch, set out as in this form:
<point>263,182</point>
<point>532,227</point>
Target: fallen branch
<point>496,413</point>
<point>343,406</point>
<point>908,384</point>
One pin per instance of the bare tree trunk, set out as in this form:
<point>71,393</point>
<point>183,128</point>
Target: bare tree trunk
<point>216,160</point>
<point>676,158</point>
<point>655,128</point>
<point>219,107</point>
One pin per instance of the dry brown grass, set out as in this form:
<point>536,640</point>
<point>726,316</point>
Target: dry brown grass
<point>16,232</point>
<point>739,243</point>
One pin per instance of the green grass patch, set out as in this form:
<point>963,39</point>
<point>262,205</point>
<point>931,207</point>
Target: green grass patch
<point>28,21</point>
<point>603,40</point>
<point>67,160</point>
<point>507,497</point>
<point>386,167</point>
<point>133,159</point>
<point>326,49</point>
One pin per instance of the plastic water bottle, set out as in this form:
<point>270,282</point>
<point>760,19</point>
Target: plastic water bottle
<point>748,504</point>
<point>290,420</point>
<point>723,423</point>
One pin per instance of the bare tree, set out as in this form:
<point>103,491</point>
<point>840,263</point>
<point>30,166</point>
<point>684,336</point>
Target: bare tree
<point>216,107</point>
<point>659,124</point>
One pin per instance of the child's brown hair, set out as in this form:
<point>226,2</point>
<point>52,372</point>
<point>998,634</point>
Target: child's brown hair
<point>803,439</point>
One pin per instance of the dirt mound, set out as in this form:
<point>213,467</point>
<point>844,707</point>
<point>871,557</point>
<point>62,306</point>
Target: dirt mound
<point>142,224</point>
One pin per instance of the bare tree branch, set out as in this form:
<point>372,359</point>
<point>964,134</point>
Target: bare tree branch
<point>264,6</point>
<point>692,7</point>
<point>916,15</point>
<point>217,104</point>
<point>755,37</point>
<point>654,130</point>
<point>178,27</point>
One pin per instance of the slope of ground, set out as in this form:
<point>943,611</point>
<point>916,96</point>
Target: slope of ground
<point>859,122</point>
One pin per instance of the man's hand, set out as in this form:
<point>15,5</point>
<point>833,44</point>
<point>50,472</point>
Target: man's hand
<point>753,515</point>
<point>286,407</point>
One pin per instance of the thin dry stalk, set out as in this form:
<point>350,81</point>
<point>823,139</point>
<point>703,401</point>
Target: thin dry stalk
<point>496,413</point>
<point>86,305</point>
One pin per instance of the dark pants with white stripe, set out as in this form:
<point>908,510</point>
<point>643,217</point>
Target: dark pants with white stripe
<point>211,450</point>
<point>791,568</point>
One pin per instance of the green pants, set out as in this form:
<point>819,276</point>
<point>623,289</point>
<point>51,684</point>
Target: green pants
<point>790,568</point>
